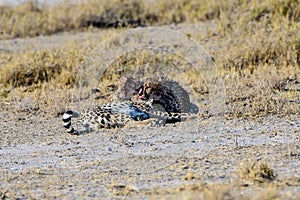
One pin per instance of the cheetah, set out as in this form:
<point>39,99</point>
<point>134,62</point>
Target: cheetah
<point>168,94</point>
<point>117,115</point>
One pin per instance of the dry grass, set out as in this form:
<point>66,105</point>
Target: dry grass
<point>31,19</point>
<point>38,67</point>
<point>259,57</point>
<point>40,80</point>
<point>255,172</point>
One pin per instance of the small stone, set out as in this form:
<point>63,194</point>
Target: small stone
<point>16,168</point>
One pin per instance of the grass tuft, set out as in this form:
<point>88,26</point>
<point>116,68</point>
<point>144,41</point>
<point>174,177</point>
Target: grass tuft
<point>59,65</point>
<point>254,171</point>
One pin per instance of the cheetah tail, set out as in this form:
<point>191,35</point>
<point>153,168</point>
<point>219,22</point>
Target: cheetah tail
<point>67,117</point>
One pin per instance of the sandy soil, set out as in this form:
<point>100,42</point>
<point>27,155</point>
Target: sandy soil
<point>39,160</point>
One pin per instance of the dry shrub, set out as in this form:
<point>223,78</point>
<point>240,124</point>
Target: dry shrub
<point>40,80</point>
<point>255,172</point>
<point>261,56</point>
<point>59,65</point>
<point>31,19</point>
<point>262,91</point>
<point>261,32</point>
<point>276,48</point>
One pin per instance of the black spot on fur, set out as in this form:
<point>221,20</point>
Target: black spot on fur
<point>70,112</point>
<point>68,125</point>
<point>71,131</point>
<point>102,121</point>
<point>66,120</point>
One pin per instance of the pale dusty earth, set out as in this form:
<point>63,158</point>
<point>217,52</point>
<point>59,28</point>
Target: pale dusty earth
<point>39,160</point>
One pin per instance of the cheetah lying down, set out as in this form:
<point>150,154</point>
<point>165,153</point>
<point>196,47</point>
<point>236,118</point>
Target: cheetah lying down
<point>159,102</point>
<point>117,115</point>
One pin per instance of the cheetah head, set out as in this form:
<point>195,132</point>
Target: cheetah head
<point>148,90</point>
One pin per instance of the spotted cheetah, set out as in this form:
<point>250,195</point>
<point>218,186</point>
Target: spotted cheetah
<point>168,94</point>
<point>117,115</point>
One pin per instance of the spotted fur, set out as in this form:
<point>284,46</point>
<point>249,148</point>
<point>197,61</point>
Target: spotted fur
<point>167,94</point>
<point>117,115</point>
<point>159,101</point>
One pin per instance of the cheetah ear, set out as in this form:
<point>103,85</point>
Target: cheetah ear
<point>129,86</point>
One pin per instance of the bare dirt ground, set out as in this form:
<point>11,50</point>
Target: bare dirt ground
<point>39,160</point>
<point>197,159</point>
